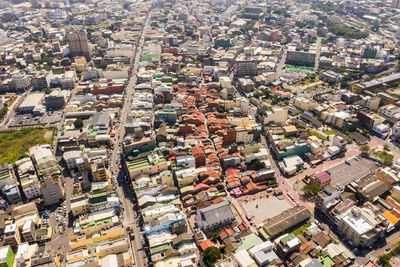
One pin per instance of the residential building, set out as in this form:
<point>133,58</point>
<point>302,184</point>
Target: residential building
<point>276,115</point>
<point>80,205</point>
<point>151,164</point>
<point>98,170</point>
<point>29,181</point>
<point>246,66</point>
<point>9,184</point>
<point>300,56</point>
<point>304,103</point>
<point>322,179</point>
<point>28,232</point>
<point>21,81</point>
<point>56,99</point>
<point>361,226</point>
<point>49,173</point>
<point>12,235</point>
<point>78,42</point>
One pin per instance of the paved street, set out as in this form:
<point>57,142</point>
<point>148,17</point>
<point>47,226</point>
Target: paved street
<point>281,64</point>
<point>11,110</point>
<point>283,183</point>
<point>130,218</point>
<point>318,52</point>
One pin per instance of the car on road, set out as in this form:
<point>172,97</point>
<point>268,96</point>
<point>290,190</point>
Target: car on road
<point>387,249</point>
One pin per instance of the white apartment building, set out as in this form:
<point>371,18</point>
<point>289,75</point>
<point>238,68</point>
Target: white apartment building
<point>20,81</point>
<point>361,226</point>
<point>277,115</point>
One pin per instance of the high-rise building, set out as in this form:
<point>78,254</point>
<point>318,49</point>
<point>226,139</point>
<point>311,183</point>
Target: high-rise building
<point>395,3</point>
<point>78,42</point>
<point>48,172</point>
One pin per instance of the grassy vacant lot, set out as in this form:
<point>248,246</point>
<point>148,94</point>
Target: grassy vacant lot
<point>330,132</point>
<point>15,144</point>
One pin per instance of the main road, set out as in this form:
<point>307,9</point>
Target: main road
<point>129,217</point>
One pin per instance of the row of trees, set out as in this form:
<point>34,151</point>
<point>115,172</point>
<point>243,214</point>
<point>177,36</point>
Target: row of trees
<point>384,259</point>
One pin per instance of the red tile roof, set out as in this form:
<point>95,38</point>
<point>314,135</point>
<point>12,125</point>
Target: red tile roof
<point>206,244</point>
<point>323,177</point>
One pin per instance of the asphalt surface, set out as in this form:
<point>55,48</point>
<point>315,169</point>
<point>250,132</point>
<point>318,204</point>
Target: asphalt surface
<point>11,110</point>
<point>129,216</point>
<point>318,52</point>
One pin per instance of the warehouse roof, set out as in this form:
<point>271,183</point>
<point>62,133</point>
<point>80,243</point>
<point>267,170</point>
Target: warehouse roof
<point>286,220</point>
<point>33,99</point>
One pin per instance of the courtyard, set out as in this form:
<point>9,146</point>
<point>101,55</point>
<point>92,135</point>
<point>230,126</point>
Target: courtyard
<point>263,208</point>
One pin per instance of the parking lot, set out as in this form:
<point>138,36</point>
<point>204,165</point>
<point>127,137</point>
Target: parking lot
<point>263,208</point>
<point>21,120</point>
<point>345,173</point>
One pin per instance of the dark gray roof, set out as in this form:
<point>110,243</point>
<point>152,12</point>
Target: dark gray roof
<point>286,220</point>
<point>100,118</point>
<point>315,263</point>
<point>215,214</point>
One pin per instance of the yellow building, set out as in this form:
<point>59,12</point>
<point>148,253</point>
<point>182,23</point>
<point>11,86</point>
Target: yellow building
<point>99,171</point>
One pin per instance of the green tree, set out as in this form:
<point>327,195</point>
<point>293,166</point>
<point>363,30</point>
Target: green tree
<point>78,123</point>
<point>256,135</point>
<point>214,236</point>
<point>3,111</point>
<point>256,165</point>
<point>331,82</point>
<point>47,91</point>
<point>312,188</point>
<point>365,132</point>
<point>386,147</point>
<point>211,255</point>
<point>384,260</point>
<point>365,148</point>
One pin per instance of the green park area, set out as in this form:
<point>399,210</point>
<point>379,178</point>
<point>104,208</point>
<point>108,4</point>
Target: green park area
<point>308,80</point>
<point>15,144</point>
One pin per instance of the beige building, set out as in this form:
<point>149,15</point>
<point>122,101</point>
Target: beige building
<point>99,171</point>
<point>28,231</point>
<point>244,135</point>
<point>304,103</point>
<point>361,226</point>
<point>372,103</point>
<point>78,42</point>
<point>186,176</point>
<point>80,64</point>
<point>12,235</point>
<point>80,205</point>
<point>49,173</point>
